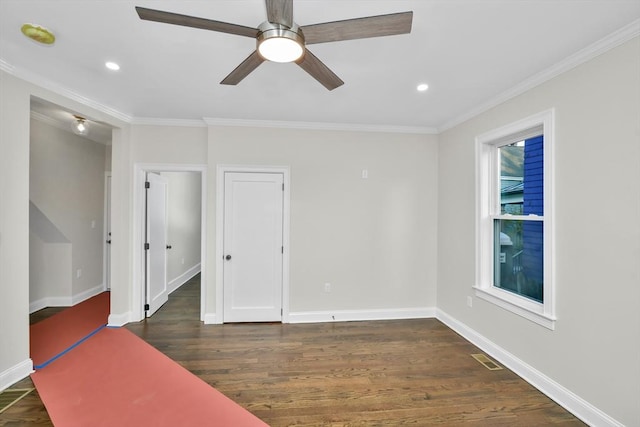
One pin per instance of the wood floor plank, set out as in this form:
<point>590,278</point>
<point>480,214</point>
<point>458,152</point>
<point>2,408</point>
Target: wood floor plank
<point>28,411</point>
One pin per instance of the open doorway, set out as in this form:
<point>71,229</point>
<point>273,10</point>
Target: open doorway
<point>169,207</point>
<point>67,196</point>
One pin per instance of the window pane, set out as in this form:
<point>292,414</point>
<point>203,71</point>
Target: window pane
<point>518,257</point>
<point>521,177</point>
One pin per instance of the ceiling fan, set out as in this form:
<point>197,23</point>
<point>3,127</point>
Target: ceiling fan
<point>280,39</point>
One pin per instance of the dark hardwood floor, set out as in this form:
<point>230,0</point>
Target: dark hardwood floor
<point>383,373</point>
<point>39,315</point>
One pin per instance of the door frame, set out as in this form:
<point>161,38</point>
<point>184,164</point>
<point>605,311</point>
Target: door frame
<point>139,177</point>
<point>106,256</point>
<point>221,170</point>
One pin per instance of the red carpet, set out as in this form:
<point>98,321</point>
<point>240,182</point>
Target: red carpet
<point>53,336</point>
<point>115,378</point>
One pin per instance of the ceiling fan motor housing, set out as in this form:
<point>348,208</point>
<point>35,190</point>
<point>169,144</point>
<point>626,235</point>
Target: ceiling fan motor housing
<point>269,32</point>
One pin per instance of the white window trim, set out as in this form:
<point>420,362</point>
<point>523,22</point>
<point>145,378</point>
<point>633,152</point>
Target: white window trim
<point>486,162</point>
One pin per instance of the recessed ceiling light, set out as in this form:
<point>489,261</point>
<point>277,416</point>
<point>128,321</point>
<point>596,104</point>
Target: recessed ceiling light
<point>422,87</point>
<point>112,66</point>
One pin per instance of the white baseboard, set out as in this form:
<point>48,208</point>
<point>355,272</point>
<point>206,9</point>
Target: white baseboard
<point>15,373</point>
<point>121,319</point>
<point>361,315</point>
<point>85,295</point>
<point>346,315</point>
<point>64,301</point>
<point>564,397</point>
<point>49,302</point>
<point>183,278</point>
<point>210,319</point>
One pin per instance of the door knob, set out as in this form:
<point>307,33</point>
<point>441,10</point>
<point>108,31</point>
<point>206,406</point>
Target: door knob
<point>228,257</point>
<point>109,241</point>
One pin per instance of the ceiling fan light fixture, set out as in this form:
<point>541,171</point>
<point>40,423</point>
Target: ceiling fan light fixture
<point>280,49</point>
<point>278,43</point>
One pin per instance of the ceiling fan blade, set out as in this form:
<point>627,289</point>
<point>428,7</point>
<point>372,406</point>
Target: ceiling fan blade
<point>280,12</point>
<point>247,66</point>
<point>359,28</point>
<point>316,68</point>
<point>194,22</point>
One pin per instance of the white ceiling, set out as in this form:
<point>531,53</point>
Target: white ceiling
<point>468,51</point>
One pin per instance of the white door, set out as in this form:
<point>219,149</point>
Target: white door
<point>253,247</point>
<point>156,264</point>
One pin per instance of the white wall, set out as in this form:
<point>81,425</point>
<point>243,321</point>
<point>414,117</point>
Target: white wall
<point>122,295</point>
<point>14,230</point>
<point>373,239</point>
<point>107,158</point>
<point>184,219</point>
<point>66,183</point>
<point>49,263</point>
<point>50,274</point>
<point>594,351</point>
<point>169,144</point>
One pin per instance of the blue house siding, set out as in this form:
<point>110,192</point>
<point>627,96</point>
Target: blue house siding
<point>533,203</point>
<point>534,176</point>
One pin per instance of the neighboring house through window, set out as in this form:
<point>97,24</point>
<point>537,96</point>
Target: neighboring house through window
<point>514,221</point>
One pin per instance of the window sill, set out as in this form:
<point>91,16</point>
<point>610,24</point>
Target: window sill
<point>521,306</point>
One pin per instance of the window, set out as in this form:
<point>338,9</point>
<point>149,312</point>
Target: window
<point>514,218</point>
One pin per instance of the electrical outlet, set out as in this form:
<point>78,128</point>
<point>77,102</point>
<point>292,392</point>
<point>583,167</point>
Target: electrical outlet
<point>182,261</point>
<point>78,273</point>
<point>365,174</point>
<point>93,223</point>
<point>470,301</point>
<point>327,287</point>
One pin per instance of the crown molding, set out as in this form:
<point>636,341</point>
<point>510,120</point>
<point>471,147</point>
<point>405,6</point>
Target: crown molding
<point>44,83</point>
<point>6,67</point>
<point>604,45</point>
<point>150,121</point>
<point>347,127</point>
<point>46,119</point>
